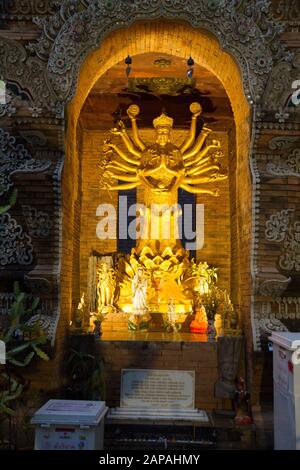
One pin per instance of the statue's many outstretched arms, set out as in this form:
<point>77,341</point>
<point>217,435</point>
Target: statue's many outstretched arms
<point>196,111</point>
<point>123,167</point>
<point>198,144</point>
<point>132,112</point>
<point>198,166</point>
<point>203,162</point>
<point>124,155</point>
<point>191,189</point>
<point>215,145</point>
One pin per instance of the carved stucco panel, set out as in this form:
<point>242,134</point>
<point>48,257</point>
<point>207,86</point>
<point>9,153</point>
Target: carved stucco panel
<point>277,225</point>
<point>285,165</point>
<point>49,67</point>
<point>15,245</point>
<point>38,222</point>
<point>289,260</point>
<point>15,158</point>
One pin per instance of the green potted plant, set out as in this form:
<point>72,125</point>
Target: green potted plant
<point>23,342</point>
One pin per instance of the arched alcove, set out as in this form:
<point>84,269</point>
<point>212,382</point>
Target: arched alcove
<point>175,40</point>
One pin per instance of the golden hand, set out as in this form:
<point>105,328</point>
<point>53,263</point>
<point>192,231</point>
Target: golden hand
<point>133,111</point>
<point>119,129</point>
<point>111,146</point>
<point>195,109</point>
<point>106,145</point>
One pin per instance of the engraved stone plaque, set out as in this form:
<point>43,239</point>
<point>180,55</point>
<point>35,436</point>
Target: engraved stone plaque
<point>160,389</point>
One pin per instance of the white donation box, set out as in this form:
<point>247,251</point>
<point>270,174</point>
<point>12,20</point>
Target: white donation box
<point>70,425</point>
<point>286,377</point>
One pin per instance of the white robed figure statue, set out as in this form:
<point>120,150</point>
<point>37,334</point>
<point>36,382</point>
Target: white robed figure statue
<point>139,290</point>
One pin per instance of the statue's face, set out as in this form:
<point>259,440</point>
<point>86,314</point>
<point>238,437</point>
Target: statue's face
<point>162,135</point>
<point>104,267</point>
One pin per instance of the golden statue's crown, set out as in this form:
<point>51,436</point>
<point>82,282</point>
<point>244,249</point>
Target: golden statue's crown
<point>163,120</point>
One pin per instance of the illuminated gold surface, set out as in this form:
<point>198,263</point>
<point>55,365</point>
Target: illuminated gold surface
<point>161,169</point>
<point>161,85</point>
<point>163,166</point>
<point>105,288</point>
<point>153,336</point>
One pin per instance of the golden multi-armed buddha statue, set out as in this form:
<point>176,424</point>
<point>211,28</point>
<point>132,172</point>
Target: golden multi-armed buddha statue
<point>164,167</point>
<point>161,169</point>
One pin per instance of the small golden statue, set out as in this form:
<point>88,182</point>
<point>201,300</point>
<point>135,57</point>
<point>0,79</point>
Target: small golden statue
<point>205,276</point>
<point>218,323</point>
<point>105,288</point>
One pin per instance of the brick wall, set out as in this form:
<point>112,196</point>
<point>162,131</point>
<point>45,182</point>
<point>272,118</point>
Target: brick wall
<point>92,196</point>
<point>200,357</point>
<point>217,221</point>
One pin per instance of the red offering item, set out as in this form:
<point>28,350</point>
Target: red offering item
<point>243,420</point>
<point>199,324</point>
<point>198,327</point>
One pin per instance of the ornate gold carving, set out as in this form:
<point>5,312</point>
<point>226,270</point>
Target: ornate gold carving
<point>161,169</point>
<point>162,121</point>
<point>160,85</point>
<point>162,63</point>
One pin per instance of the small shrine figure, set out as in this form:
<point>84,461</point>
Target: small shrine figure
<point>199,324</point>
<point>139,290</point>
<point>172,324</point>
<point>105,288</point>
<point>79,316</point>
<point>96,323</point>
<point>171,311</point>
<point>97,327</point>
<point>140,316</point>
<point>202,287</point>
<point>218,323</point>
<point>205,277</point>
<point>230,320</point>
<point>242,404</point>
